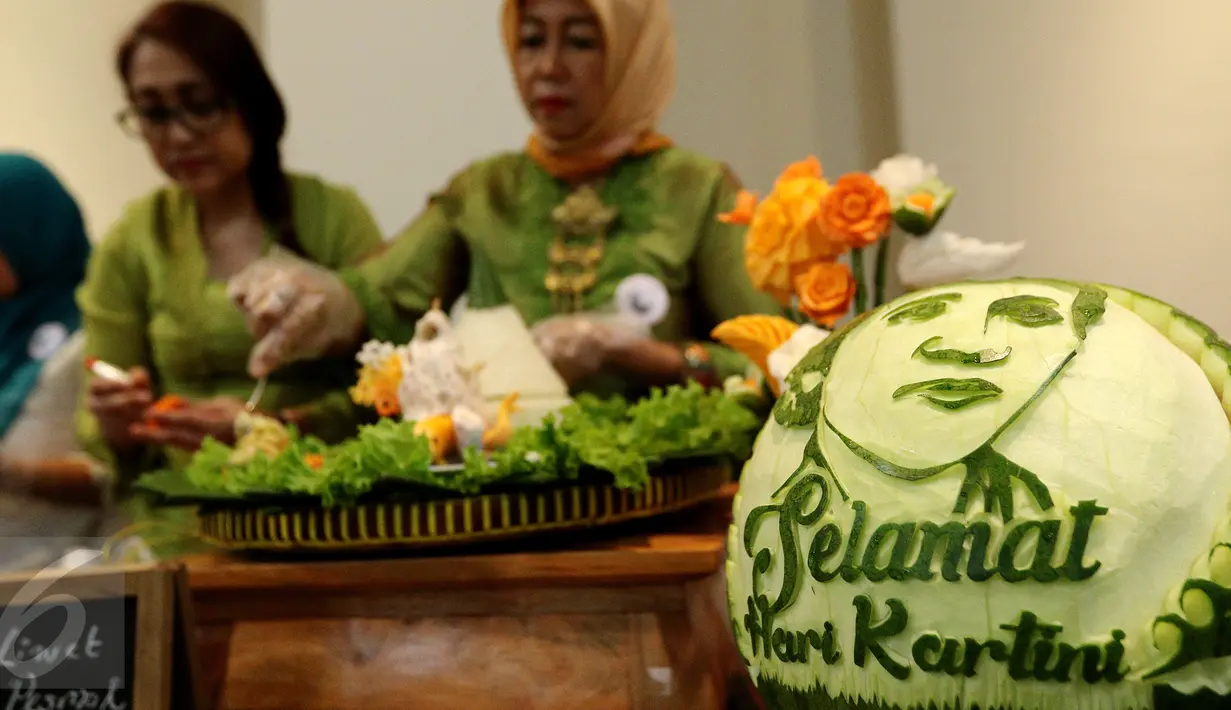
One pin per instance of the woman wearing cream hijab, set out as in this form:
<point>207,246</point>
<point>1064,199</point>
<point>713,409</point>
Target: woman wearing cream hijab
<point>602,234</point>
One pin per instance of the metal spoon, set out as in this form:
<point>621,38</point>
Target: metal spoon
<point>243,423</point>
<point>255,399</point>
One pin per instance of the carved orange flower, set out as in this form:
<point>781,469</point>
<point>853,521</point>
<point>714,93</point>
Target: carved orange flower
<point>745,208</point>
<point>755,337</point>
<point>785,235</point>
<point>784,239</point>
<point>825,292</point>
<point>378,387</point>
<point>856,211</point>
<point>809,167</point>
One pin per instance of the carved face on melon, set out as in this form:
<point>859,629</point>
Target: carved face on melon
<point>1007,494</point>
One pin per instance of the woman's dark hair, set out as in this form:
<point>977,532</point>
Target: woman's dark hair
<point>220,46</point>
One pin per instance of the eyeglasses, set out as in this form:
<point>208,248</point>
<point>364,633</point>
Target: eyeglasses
<point>197,117</point>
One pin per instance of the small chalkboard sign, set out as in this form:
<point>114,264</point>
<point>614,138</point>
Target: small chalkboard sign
<point>104,638</point>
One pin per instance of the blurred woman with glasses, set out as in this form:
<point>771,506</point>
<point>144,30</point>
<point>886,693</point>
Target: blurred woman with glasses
<point>154,302</point>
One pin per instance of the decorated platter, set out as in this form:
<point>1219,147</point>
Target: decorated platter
<point>596,462</point>
<point>489,516</point>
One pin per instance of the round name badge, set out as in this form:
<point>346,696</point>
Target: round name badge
<point>46,340</point>
<point>643,298</point>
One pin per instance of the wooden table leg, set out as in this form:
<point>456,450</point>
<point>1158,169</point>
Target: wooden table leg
<point>697,648</point>
<point>214,654</point>
<point>702,651</point>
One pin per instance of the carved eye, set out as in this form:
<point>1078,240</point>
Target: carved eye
<point>924,309</point>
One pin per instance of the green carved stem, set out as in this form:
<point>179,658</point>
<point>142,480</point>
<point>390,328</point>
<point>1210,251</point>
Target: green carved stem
<point>796,315</point>
<point>882,270</point>
<point>861,286</point>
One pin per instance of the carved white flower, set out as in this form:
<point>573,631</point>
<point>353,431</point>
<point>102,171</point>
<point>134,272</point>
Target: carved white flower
<point>901,175</point>
<point>784,359</point>
<point>917,195</point>
<point>435,375</point>
<point>375,353</point>
<point>945,257</point>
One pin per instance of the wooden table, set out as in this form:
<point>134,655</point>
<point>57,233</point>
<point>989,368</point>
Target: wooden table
<point>612,623</point>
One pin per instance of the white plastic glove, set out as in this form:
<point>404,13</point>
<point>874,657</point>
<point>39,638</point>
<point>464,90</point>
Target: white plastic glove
<point>578,345</point>
<point>295,309</point>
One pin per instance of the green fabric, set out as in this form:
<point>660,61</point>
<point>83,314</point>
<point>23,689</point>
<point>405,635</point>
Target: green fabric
<point>489,231</point>
<point>148,300</point>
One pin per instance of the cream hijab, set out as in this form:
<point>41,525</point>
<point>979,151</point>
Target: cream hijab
<point>640,45</point>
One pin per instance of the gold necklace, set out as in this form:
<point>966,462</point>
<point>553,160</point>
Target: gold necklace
<point>572,268</point>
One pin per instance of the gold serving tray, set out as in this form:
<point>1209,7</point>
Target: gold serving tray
<point>452,521</point>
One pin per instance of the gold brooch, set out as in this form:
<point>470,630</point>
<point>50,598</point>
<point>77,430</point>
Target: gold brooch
<point>572,268</point>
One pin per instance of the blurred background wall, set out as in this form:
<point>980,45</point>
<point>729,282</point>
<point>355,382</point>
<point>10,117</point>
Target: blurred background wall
<point>1094,131</point>
<point>1098,131</point>
<point>59,95</point>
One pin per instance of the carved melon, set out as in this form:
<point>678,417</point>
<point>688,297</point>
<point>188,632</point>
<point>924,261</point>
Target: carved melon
<point>993,495</point>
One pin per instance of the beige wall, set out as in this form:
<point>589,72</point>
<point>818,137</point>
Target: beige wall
<point>59,95</point>
<point>757,89</point>
<point>763,89</point>
<point>1094,131</point>
<point>1097,131</point>
<point>392,96</point>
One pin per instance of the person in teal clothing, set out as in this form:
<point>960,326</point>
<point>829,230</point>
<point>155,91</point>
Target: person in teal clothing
<point>154,301</point>
<point>599,213</point>
<point>43,254</point>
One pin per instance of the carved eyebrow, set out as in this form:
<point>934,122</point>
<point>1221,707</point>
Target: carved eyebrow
<point>923,309</point>
<point>1030,311</point>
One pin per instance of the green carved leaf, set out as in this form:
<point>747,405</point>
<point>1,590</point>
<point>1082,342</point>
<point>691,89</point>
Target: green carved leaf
<point>1030,311</point>
<point>797,409</point>
<point>960,402</point>
<point>986,356</point>
<point>1197,642</point>
<point>924,309</point>
<point>969,391</point>
<point>1088,308</point>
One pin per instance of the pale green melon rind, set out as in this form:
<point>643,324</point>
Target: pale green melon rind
<point>1213,356</point>
<point>1191,336</point>
<point>778,696</point>
<point>1196,339</point>
<point>729,568</point>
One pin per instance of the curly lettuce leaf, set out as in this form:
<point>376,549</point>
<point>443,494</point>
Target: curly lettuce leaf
<point>607,435</point>
<point>690,421</point>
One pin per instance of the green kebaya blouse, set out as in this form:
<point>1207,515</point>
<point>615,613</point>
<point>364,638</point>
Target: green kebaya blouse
<point>148,300</point>
<point>489,232</point>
